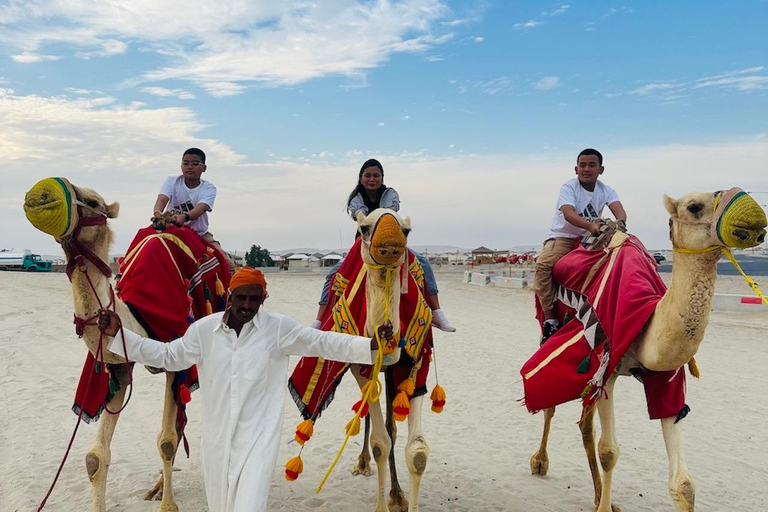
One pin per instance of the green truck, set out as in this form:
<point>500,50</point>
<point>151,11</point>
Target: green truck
<point>24,261</point>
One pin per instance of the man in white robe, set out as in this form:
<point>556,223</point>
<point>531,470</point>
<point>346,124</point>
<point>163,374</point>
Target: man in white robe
<point>242,361</point>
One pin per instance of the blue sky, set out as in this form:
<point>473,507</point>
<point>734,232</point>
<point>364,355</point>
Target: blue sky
<point>476,109</point>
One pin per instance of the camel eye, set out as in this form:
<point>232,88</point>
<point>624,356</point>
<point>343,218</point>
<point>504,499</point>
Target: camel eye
<point>694,208</point>
<point>365,229</point>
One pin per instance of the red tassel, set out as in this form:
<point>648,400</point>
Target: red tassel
<point>401,406</point>
<point>185,396</point>
<point>357,406</point>
<point>293,468</point>
<point>304,431</point>
<point>438,399</point>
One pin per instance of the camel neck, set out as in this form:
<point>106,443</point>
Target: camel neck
<point>691,290</point>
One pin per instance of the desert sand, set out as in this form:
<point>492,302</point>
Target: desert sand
<point>480,444</point>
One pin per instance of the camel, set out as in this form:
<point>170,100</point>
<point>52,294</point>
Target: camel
<point>383,251</point>
<point>91,237</point>
<point>671,337</point>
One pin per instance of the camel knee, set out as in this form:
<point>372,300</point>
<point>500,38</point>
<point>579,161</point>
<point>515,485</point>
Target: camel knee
<point>609,456</point>
<point>380,451</point>
<point>167,449</point>
<point>417,455</point>
<point>93,465</point>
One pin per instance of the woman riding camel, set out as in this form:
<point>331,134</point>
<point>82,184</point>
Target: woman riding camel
<point>370,194</point>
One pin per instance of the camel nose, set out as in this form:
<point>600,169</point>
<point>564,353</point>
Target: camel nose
<point>761,237</point>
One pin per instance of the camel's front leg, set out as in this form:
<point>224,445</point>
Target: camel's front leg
<point>587,426</point>
<point>416,452</point>
<point>363,466</point>
<point>680,482</point>
<point>99,456</point>
<point>608,447</point>
<point>380,445</point>
<point>540,460</point>
<point>167,444</point>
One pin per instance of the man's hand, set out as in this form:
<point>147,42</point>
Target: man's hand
<point>179,220</point>
<point>594,228</point>
<point>109,322</point>
<point>386,333</point>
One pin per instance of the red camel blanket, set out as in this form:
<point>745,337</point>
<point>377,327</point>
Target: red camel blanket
<point>314,380</point>
<point>168,279</point>
<point>610,295</point>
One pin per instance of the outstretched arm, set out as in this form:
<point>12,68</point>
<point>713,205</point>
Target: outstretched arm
<point>177,355</point>
<point>295,339</point>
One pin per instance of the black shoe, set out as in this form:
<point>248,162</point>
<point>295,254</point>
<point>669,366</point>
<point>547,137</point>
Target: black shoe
<point>547,331</point>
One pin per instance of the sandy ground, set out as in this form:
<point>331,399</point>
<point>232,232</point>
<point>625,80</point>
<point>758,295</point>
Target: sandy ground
<point>480,445</point>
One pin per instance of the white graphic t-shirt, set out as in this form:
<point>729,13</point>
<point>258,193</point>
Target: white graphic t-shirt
<point>589,206</point>
<point>184,199</point>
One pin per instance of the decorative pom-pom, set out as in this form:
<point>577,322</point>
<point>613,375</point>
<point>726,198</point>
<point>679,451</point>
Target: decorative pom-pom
<point>401,406</point>
<point>353,427</point>
<point>583,366</point>
<point>219,287</point>
<point>185,396</point>
<point>208,307</point>
<point>438,399</point>
<point>694,368</point>
<point>357,406</point>
<point>408,386</point>
<point>191,319</point>
<point>293,468</point>
<point>304,431</point>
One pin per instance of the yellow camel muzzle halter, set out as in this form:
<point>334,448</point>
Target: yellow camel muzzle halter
<point>738,220</point>
<point>51,206</point>
<point>388,241</point>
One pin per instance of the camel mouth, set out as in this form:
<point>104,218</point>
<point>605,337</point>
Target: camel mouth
<point>388,241</point>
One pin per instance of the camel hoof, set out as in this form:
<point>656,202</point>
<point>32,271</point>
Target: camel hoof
<point>168,507</point>
<point>400,504</point>
<point>614,508</point>
<point>362,470</point>
<point>539,465</point>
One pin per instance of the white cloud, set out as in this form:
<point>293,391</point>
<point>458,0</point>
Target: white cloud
<point>547,83</point>
<point>30,58</point>
<point>647,89</point>
<point>406,117</point>
<point>560,10</point>
<point>527,24</point>
<point>434,58</point>
<point>225,45</point>
<point>495,86</point>
<point>381,123</point>
<point>754,81</point>
<point>166,93</point>
<point>478,39</point>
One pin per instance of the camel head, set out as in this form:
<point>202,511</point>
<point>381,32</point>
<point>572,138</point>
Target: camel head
<point>56,207</point>
<point>700,220</point>
<point>384,236</point>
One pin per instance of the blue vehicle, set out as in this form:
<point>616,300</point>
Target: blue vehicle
<point>24,261</point>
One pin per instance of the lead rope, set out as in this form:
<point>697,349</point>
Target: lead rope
<point>372,388</point>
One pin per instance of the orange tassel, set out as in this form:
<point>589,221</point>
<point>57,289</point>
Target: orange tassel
<point>219,287</point>
<point>304,431</point>
<point>293,468</point>
<point>408,386</point>
<point>401,406</point>
<point>208,308</point>
<point>353,427</point>
<point>438,399</point>
<point>357,406</point>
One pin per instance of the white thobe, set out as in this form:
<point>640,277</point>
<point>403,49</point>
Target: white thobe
<point>243,381</point>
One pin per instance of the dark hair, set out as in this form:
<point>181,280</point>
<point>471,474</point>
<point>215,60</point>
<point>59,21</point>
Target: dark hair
<point>371,162</point>
<point>197,152</point>
<point>590,151</point>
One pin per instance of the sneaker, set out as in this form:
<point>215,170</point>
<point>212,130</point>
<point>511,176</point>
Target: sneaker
<point>440,321</point>
<point>547,331</point>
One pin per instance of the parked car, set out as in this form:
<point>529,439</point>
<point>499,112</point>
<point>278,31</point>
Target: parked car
<point>659,257</point>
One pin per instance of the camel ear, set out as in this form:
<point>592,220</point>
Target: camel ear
<point>112,210</point>
<point>360,217</point>
<point>671,205</point>
<point>406,226</point>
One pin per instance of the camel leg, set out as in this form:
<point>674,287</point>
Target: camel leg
<point>540,460</point>
<point>587,427</point>
<point>397,500</point>
<point>680,482</point>
<point>363,466</point>
<point>380,445</point>
<point>167,444</point>
<point>416,451</point>
<point>608,447</point>
<point>99,456</point>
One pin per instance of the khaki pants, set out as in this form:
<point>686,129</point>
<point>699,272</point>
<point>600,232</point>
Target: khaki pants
<point>208,237</point>
<point>543,285</point>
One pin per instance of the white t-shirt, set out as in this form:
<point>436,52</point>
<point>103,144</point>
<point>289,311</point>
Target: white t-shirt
<point>183,199</point>
<point>589,206</point>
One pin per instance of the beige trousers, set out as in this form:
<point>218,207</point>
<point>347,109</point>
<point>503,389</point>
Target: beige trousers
<point>543,285</point>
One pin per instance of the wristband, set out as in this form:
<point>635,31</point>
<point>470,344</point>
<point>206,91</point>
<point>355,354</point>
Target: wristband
<point>186,217</point>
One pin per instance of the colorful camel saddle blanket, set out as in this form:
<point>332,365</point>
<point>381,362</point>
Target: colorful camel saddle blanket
<point>609,295</point>
<point>168,279</point>
<point>314,380</point>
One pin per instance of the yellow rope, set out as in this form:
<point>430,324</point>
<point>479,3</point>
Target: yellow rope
<point>696,251</point>
<point>749,280</point>
<point>372,389</point>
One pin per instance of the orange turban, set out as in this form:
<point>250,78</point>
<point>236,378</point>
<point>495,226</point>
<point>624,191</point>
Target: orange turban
<point>247,275</point>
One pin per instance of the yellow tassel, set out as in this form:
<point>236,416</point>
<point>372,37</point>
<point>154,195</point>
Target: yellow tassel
<point>219,287</point>
<point>353,427</point>
<point>293,468</point>
<point>408,386</point>
<point>208,308</point>
<point>438,399</point>
<point>304,431</point>
<point>694,368</point>
<point>401,406</point>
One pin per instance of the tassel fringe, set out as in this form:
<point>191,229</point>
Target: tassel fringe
<point>304,431</point>
<point>438,399</point>
<point>293,468</point>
